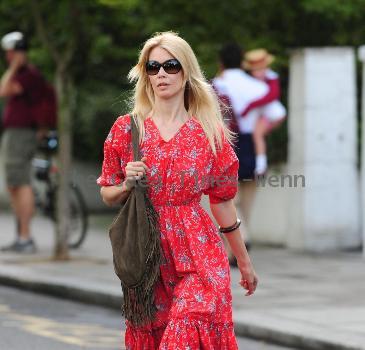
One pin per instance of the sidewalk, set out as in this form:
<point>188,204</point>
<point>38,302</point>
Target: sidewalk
<point>306,301</point>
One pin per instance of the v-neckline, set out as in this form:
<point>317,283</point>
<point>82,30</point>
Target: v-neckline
<point>176,133</point>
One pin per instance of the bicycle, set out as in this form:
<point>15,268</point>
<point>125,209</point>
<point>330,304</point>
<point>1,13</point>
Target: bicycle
<point>46,173</point>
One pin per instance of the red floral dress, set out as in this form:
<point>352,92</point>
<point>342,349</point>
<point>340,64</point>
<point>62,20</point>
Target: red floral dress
<point>193,296</point>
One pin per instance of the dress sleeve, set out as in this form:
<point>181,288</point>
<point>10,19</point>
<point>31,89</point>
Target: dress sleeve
<point>224,175</point>
<point>116,153</point>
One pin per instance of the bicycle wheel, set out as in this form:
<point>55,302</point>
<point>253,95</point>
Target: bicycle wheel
<point>78,216</point>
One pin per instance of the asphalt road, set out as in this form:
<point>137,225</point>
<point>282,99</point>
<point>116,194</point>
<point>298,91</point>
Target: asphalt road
<point>37,322</point>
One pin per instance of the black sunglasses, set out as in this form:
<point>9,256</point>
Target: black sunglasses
<point>172,66</point>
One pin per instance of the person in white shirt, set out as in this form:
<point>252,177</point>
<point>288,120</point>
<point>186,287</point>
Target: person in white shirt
<point>237,90</point>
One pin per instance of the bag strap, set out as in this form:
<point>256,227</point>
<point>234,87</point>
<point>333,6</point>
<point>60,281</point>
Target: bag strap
<point>135,139</point>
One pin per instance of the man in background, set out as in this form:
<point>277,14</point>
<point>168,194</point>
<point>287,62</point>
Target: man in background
<point>20,85</point>
<point>238,90</point>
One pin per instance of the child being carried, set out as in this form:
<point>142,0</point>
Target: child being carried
<point>272,111</point>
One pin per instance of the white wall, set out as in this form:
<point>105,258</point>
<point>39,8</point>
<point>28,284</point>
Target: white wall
<point>269,218</point>
<point>322,146</point>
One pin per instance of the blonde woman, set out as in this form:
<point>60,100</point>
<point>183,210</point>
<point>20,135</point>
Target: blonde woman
<point>186,152</point>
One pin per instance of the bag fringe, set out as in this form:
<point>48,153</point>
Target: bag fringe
<point>138,302</point>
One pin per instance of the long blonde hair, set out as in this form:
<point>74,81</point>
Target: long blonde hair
<point>200,98</point>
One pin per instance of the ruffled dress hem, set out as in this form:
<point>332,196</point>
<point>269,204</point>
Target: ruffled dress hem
<point>181,334</point>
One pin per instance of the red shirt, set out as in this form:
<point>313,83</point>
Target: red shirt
<point>18,108</point>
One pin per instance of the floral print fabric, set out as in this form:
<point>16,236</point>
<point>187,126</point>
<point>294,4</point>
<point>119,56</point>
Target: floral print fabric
<point>193,297</point>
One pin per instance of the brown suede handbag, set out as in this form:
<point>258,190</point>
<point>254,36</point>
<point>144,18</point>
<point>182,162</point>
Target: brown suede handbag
<point>135,240</point>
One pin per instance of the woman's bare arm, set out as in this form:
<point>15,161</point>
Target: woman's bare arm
<point>113,195</point>
<point>225,215</point>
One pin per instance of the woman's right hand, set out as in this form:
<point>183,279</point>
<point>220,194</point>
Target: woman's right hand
<point>113,195</point>
<point>135,171</point>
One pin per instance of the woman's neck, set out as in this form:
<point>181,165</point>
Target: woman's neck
<point>170,111</point>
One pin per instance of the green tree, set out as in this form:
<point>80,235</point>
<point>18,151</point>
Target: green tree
<point>60,40</point>
<point>71,33</point>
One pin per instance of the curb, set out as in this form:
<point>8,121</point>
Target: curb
<point>245,329</point>
<point>63,291</point>
<point>286,339</point>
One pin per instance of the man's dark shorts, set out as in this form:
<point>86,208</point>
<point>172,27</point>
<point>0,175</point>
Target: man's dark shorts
<point>245,151</point>
<point>18,149</point>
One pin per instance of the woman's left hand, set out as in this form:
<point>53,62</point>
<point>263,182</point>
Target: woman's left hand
<point>249,278</point>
